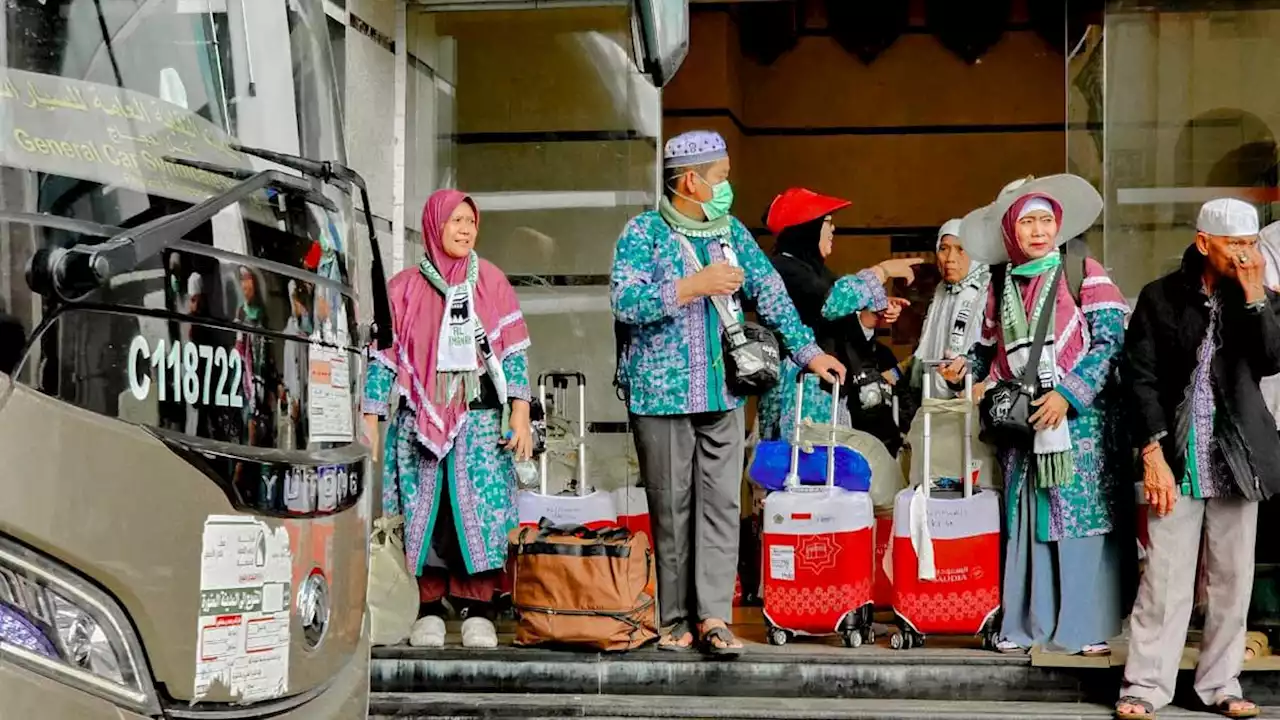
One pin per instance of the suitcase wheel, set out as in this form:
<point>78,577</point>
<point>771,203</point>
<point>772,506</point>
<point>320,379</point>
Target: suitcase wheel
<point>853,638</point>
<point>905,640</point>
<point>988,641</point>
<point>777,636</point>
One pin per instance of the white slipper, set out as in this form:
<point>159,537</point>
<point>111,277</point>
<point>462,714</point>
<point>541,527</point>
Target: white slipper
<point>427,632</point>
<point>477,632</point>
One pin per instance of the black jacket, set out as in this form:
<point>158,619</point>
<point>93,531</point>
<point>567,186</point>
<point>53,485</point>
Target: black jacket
<point>808,284</point>
<point>1160,350</point>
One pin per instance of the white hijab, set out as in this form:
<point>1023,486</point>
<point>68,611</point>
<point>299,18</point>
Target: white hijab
<point>954,321</point>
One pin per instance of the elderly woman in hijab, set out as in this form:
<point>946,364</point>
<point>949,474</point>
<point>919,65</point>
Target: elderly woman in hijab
<point>458,356</point>
<point>1062,580</point>
<point>954,321</point>
<point>800,220</point>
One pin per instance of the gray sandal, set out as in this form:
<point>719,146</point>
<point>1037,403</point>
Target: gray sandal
<point>724,635</point>
<point>669,641</point>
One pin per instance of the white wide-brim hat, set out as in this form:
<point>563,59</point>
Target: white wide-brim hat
<point>981,233</point>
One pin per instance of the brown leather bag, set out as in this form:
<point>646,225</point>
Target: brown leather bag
<point>583,588</point>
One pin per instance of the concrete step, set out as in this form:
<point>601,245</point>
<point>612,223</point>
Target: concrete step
<point>500,706</point>
<point>797,670</point>
<point>947,669</point>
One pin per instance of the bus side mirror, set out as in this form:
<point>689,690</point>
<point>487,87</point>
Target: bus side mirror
<point>660,37</point>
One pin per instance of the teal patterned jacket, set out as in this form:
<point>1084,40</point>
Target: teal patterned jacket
<point>673,364</point>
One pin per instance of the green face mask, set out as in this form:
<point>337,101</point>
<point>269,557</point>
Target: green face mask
<point>721,200</point>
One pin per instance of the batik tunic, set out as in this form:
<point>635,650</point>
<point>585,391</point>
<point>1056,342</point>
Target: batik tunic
<point>674,364</point>
<point>1084,506</point>
<point>777,412</point>
<point>1207,474</point>
<point>480,474</point>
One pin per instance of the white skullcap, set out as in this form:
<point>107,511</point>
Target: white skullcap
<point>195,284</point>
<point>1228,217</point>
<point>1033,205</point>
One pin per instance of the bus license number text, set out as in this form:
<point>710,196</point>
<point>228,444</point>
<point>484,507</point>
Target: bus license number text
<point>185,372</point>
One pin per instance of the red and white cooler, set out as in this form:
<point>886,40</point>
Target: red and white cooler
<point>593,509</point>
<point>818,549</point>
<point>632,506</point>
<point>945,553</point>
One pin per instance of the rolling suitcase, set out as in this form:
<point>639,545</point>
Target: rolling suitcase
<point>580,504</point>
<point>946,551</point>
<point>817,553</point>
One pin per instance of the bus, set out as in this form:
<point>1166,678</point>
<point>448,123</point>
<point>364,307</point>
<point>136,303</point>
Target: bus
<point>188,277</point>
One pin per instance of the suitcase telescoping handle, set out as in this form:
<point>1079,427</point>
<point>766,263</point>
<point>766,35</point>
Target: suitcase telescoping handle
<point>559,380</point>
<point>793,476</point>
<point>966,473</point>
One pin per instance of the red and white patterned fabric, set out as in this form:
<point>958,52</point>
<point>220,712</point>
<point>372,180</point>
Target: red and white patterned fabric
<point>817,557</point>
<point>966,553</point>
<point>595,510</point>
<point>882,592</point>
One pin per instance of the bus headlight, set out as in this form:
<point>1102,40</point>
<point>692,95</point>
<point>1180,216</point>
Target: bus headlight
<point>56,624</point>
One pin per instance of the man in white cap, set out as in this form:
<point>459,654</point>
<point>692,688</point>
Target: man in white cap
<point>1200,340</point>
<point>677,274</point>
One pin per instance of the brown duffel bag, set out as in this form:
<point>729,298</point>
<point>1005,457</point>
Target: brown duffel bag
<point>584,588</point>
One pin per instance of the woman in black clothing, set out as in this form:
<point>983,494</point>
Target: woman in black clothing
<point>832,307</point>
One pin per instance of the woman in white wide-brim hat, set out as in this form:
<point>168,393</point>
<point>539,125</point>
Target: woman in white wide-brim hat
<point>1062,565</point>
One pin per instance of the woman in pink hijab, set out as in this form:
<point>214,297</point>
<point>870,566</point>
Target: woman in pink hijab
<point>458,359</point>
<point>1063,563</point>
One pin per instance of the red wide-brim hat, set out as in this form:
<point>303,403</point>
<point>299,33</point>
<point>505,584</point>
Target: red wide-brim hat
<point>796,206</point>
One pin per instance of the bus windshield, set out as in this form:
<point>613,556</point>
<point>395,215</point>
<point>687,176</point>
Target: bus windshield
<point>120,113</point>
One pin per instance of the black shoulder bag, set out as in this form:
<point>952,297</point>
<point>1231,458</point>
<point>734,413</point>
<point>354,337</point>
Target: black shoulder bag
<point>1005,410</point>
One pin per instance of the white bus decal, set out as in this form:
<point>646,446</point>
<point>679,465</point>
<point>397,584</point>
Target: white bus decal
<point>177,367</point>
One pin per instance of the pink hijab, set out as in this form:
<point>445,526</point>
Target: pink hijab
<point>417,310</point>
<point>1070,333</point>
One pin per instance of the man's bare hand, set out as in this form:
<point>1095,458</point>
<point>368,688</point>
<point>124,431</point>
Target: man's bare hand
<point>1158,485</point>
<point>715,279</point>
<point>1250,269</point>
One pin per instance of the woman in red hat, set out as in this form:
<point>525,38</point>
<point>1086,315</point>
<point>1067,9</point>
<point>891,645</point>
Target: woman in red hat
<point>831,306</point>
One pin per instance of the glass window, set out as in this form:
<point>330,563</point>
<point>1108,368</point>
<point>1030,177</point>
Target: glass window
<point>545,119</point>
<point>108,109</point>
<point>1187,118</point>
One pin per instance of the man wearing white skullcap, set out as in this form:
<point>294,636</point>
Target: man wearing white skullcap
<point>1199,341</point>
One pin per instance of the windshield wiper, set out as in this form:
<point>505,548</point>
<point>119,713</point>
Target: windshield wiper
<point>72,273</point>
<point>236,173</point>
<point>344,177</point>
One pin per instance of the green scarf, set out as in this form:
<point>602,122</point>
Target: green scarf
<point>690,227</point>
<point>1039,266</point>
<point>1052,469</point>
<point>252,313</point>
